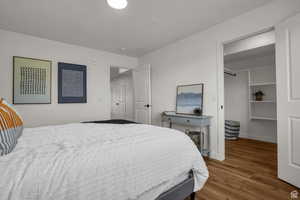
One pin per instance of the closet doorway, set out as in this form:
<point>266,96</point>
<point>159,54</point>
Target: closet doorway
<point>284,164</point>
<point>250,100</point>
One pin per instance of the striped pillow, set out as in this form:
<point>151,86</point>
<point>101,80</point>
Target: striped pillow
<point>11,127</point>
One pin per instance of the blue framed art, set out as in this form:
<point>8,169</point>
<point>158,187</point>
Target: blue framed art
<point>71,83</point>
<point>189,99</point>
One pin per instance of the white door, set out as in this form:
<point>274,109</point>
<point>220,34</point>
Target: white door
<point>142,94</point>
<point>118,101</point>
<point>288,97</point>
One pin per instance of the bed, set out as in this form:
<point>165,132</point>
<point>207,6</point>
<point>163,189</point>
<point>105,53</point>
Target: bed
<point>88,161</point>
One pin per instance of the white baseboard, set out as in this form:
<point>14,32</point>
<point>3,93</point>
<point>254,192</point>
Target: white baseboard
<point>259,138</point>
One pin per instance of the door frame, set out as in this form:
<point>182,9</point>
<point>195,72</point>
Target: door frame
<point>220,89</point>
<point>110,94</point>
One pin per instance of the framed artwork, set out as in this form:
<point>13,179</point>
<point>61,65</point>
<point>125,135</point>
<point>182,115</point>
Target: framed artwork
<point>71,83</point>
<point>189,99</point>
<point>31,81</point>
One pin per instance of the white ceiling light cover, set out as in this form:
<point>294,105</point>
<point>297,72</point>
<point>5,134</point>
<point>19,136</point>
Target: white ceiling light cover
<point>117,4</point>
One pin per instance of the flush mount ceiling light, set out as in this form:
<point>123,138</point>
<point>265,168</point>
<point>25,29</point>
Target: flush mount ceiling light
<point>117,4</point>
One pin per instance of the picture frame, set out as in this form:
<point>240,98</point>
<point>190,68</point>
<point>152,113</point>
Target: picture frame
<point>189,99</point>
<point>72,83</point>
<point>31,80</point>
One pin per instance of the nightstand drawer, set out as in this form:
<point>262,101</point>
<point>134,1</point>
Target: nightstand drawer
<point>184,121</point>
<point>189,121</point>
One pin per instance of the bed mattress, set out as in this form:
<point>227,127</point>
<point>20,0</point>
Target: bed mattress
<point>99,161</point>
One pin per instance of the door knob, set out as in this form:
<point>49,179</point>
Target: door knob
<point>147,105</point>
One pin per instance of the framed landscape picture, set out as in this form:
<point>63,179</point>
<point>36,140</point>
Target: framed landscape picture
<point>71,83</point>
<point>189,99</point>
<point>31,81</point>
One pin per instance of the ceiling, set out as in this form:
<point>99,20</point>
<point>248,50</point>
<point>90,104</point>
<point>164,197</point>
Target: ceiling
<point>145,25</point>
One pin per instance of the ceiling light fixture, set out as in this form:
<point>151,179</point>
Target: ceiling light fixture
<point>117,4</point>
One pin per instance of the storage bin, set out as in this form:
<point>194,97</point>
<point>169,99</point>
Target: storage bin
<point>232,130</point>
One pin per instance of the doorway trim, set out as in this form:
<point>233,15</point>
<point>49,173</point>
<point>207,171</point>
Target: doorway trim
<point>220,90</point>
<point>126,113</point>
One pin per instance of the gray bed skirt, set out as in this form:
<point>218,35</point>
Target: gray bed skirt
<point>180,191</point>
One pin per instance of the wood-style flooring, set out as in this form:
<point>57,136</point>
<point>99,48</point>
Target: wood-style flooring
<point>249,172</point>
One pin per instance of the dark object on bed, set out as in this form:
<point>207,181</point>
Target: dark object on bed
<point>113,121</point>
<point>180,191</point>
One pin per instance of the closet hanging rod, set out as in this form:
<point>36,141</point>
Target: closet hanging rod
<point>229,73</point>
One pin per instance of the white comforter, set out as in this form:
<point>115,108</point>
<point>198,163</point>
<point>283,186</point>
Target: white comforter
<point>98,162</point>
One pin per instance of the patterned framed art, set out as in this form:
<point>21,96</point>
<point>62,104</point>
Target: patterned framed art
<point>71,83</point>
<point>31,81</point>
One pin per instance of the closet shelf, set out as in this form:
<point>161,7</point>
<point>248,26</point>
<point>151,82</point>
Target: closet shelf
<point>263,118</point>
<point>266,101</point>
<point>261,84</point>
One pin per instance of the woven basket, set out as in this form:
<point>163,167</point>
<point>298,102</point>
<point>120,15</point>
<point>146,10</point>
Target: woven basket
<point>232,130</point>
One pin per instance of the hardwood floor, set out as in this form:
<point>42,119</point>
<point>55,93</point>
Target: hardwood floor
<point>249,172</point>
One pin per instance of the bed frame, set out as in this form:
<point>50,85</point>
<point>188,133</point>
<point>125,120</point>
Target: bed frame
<point>180,191</point>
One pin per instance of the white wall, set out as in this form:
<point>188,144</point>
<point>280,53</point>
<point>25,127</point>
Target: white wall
<point>126,79</point>
<point>98,78</point>
<point>236,95</point>
<point>256,41</point>
<point>196,59</point>
<point>237,108</point>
